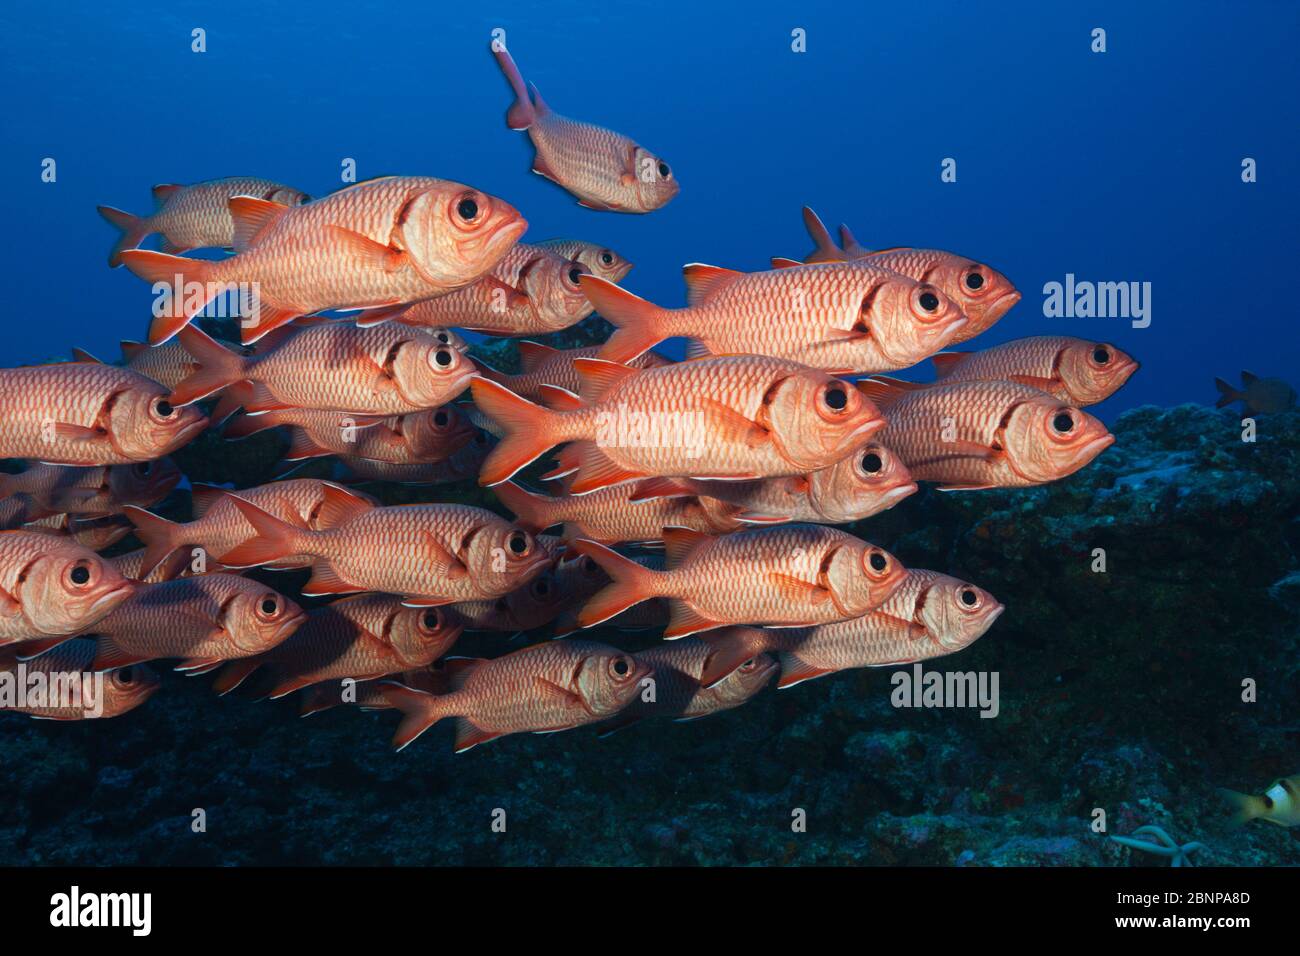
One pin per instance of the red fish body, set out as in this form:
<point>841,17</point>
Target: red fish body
<point>101,490</point>
<point>1069,369</point>
<point>542,365</point>
<point>599,260</point>
<point>72,690</point>
<point>51,587</point>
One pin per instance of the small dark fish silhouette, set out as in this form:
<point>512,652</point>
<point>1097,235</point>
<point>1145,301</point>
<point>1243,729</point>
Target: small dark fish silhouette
<point>1266,395</point>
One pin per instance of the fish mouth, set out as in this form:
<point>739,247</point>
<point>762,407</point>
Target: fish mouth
<point>867,428</point>
<point>897,494</point>
<point>1002,305</point>
<point>952,328</point>
<point>186,432</point>
<point>287,627</point>
<point>1091,450</point>
<point>120,593</point>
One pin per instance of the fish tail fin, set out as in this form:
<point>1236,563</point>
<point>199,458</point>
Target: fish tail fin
<point>230,401</point>
<point>640,324</point>
<point>533,512</point>
<point>631,583</point>
<point>1244,807</point>
<point>521,114</point>
<point>420,711</point>
<point>530,430</point>
<point>177,273</point>
<point>824,248</point>
<point>218,367</point>
<point>1227,393</point>
<point>134,229</point>
<point>272,540</point>
<point>158,534</point>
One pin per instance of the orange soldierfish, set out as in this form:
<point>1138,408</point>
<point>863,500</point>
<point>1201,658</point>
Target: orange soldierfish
<point>202,620</point>
<point>603,169</point>
<point>88,413</point>
<point>737,416</point>
<point>194,217</point>
<point>842,317</point>
<point>386,370</point>
<point>542,365</point>
<point>930,615</point>
<point>607,515</point>
<point>535,604</point>
<point>362,637</point>
<point>218,526</point>
<point>547,687</point>
<point>101,490</point>
<point>432,553</point>
<point>51,587</point>
<point>1069,369</point>
<point>531,291</point>
<point>376,244</point>
<point>96,533</point>
<point>463,465</point>
<point>791,575</point>
<point>88,695</point>
<point>983,294</point>
<point>599,260</point>
<point>175,565</point>
<point>974,435</point>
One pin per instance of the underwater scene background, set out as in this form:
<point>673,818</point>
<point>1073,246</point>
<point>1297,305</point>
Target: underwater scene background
<point>1120,690</point>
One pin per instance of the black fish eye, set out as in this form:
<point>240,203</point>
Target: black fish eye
<point>878,562</point>
<point>80,574</point>
<point>1268,802</point>
<point>444,338</point>
<point>664,171</point>
<point>573,275</point>
<point>440,418</point>
<point>1063,422</point>
<point>442,357</point>
<point>541,588</point>
<point>164,408</point>
<point>871,463</point>
<point>606,258</point>
<point>837,397</point>
<point>969,597</point>
<point>974,281</point>
<point>269,605</point>
<point>518,542</point>
<point>621,667</point>
<point>467,209</point>
<point>126,675</point>
<point>929,301</point>
<point>1101,355</point>
<point>431,619</point>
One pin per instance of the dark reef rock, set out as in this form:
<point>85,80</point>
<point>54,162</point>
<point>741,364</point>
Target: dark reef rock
<point>1120,690</point>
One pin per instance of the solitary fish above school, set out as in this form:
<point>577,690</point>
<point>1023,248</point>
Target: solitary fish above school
<point>89,695</point>
<point>196,216</point>
<point>738,416</point>
<point>87,413</point>
<point>50,586</point>
<point>557,685</point>
<point>542,365</point>
<point>603,169</point>
<point>1279,804</point>
<point>599,260</point>
<point>431,553</point>
<point>1072,370</point>
<point>203,620</point>
<point>789,576</point>
<point>378,244</point>
<point>842,317</point>
<point>531,291</point>
<point>1260,395</point>
<point>983,294</point>
<point>974,435</point>
<point>929,615</point>
<point>386,370</point>
<point>100,490</point>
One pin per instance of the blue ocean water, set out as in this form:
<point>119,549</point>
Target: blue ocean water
<point>1116,166</point>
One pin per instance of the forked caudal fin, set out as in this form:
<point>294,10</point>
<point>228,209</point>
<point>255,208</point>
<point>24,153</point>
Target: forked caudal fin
<point>179,275</point>
<point>631,583</point>
<point>521,114</point>
<point>640,324</point>
<point>218,368</point>
<point>134,230</point>
<point>530,430</point>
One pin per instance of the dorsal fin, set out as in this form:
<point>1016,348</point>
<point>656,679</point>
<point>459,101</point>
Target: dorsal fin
<point>81,355</point>
<point>340,505</point>
<point>163,191</point>
<point>779,262</point>
<point>598,376</point>
<point>882,391</point>
<point>533,354</point>
<point>560,399</point>
<point>945,362</point>
<point>679,543</point>
<point>824,249</point>
<point>203,496</point>
<point>456,670</point>
<point>131,348</point>
<point>1248,378</point>
<point>252,216</point>
<point>852,248</point>
<point>703,281</point>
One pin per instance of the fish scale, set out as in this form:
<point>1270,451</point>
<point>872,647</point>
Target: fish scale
<point>117,692</point>
<point>606,515</point>
<point>198,216</point>
<point>590,255</point>
<point>558,370</point>
<point>28,609</point>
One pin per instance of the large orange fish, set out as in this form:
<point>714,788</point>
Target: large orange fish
<point>195,216</point>
<point>553,686</point>
<point>789,576</point>
<point>983,294</point>
<point>361,637</point>
<point>930,615</point>
<point>218,526</point>
<point>53,587</point>
<point>432,554</point>
<point>202,620</point>
<point>378,244</point>
<point>72,691</point>
<point>599,260</point>
<point>542,365</point>
<point>87,413</point>
<point>974,435</point>
<point>739,416</point>
<point>386,370</point>
<point>531,291</point>
<point>603,169</point>
<point>1072,370</point>
<point>842,317</point>
<point>101,490</point>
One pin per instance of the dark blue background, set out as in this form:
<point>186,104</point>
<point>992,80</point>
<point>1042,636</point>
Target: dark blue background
<point>1121,166</point>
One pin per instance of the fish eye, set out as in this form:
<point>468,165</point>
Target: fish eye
<point>877,561</point>
<point>441,418</point>
<point>1063,422</point>
<point>518,542</point>
<point>969,597</point>
<point>974,281</point>
<point>929,301</point>
<point>607,258</point>
<point>621,666</point>
<point>80,573</point>
<point>664,171</point>
<point>541,587</point>
<point>748,665</point>
<point>467,209</point>
<point>125,676</point>
<point>1268,802</point>
<point>143,469</point>
<point>836,397</point>
<point>163,408</point>
<point>573,274</point>
<point>443,337</point>
<point>430,619</point>
<point>1101,355</point>
<point>442,357</point>
<point>872,463</point>
<point>270,605</point>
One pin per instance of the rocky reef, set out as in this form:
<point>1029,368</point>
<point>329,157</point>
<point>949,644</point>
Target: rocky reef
<point>1120,689</point>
